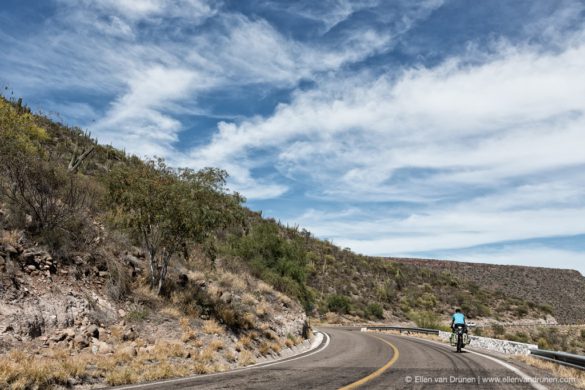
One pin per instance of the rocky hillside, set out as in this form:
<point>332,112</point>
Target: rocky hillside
<point>69,323</point>
<point>78,305</point>
<point>376,289</point>
<point>560,289</point>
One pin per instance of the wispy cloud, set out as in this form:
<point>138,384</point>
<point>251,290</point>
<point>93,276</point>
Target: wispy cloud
<point>491,152</point>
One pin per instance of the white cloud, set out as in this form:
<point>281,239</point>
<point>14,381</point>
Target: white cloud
<point>516,115</point>
<point>499,147</point>
<point>135,10</point>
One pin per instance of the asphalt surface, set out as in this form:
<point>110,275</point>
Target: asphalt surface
<point>375,361</point>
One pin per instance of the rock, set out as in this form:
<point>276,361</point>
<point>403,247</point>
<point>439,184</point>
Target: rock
<point>29,255</point>
<point>103,274</point>
<point>226,297</point>
<point>121,313</point>
<point>101,347</point>
<point>10,249</point>
<point>78,260</point>
<point>81,341</point>
<point>58,337</point>
<point>68,334</point>
<point>129,334</point>
<point>30,268</point>
<point>93,331</point>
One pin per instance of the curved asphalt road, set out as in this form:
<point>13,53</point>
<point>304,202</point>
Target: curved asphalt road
<point>371,360</point>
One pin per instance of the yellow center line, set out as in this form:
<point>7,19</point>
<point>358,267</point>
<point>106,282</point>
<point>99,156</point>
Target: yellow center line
<point>379,371</point>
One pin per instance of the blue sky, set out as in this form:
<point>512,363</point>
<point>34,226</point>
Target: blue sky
<point>447,129</point>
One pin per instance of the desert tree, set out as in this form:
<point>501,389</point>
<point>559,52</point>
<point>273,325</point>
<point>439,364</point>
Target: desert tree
<point>167,208</point>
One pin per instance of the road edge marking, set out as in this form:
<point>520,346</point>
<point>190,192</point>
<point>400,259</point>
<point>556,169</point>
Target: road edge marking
<point>510,367</point>
<point>379,371</point>
<point>515,370</point>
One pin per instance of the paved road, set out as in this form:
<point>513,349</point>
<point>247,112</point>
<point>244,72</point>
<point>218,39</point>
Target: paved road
<point>373,361</point>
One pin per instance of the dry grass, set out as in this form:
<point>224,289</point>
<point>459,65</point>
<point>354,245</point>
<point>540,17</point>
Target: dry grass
<point>555,369</point>
<point>213,327</point>
<point>264,288</point>
<point>249,299</point>
<point>263,309</point>
<point>195,276</point>
<point>246,358</point>
<point>289,342</point>
<point>276,347</point>
<point>270,334</point>
<point>121,376</point>
<point>206,355</point>
<point>216,344</point>
<point>171,311</point>
<point>168,358</point>
<point>230,356</point>
<point>284,299</point>
<point>250,320</point>
<point>264,348</point>
<point>22,371</point>
<point>232,281</point>
<point>188,333</point>
<point>245,342</point>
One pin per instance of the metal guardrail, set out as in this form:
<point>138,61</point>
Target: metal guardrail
<point>564,358</point>
<point>403,329</point>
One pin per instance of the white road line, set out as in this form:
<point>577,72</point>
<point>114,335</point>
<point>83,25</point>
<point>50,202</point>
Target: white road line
<point>252,367</point>
<point>515,370</point>
<point>521,374</point>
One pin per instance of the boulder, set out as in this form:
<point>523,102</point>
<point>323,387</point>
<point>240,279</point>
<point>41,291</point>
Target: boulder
<point>101,347</point>
<point>93,331</point>
<point>10,250</point>
<point>68,334</point>
<point>81,341</point>
<point>130,334</point>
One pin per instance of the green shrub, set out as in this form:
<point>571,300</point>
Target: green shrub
<point>338,304</point>
<point>280,261</point>
<point>374,310</point>
<point>426,319</point>
<point>139,314</point>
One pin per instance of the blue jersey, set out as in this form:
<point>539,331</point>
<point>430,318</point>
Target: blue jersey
<point>458,318</point>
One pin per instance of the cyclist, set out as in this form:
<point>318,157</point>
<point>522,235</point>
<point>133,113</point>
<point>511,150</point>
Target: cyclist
<point>458,319</point>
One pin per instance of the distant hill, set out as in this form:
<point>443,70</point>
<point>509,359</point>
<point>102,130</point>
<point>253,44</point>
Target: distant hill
<point>562,289</point>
